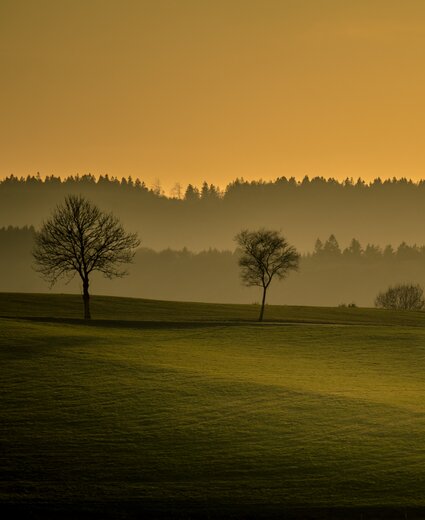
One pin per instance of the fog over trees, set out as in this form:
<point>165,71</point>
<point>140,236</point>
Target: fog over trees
<point>329,275</point>
<point>199,218</point>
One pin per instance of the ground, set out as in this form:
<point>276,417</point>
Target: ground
<point>192,410</point>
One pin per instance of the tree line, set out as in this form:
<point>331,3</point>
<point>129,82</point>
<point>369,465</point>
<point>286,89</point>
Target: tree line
<point>213,192</point>
<point>180,274</point>
<point>16,239</point>
<point>331,250</point>
<point>379,212</point>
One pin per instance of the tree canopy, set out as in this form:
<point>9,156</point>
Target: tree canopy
<point>265,254</point>
<point>407,297</point>
<point>79,238</point>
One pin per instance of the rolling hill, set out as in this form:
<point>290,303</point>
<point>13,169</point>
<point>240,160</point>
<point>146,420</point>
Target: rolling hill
<point>190,410</point>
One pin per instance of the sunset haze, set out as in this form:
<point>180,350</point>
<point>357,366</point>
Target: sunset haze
<point>186,91</point>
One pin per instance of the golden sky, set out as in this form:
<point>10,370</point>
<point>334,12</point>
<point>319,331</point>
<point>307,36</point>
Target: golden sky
<point>192,90</point>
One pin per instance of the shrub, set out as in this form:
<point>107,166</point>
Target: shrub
<point>407,297</point>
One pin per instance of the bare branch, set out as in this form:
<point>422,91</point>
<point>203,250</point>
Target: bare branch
<point>264,254</point>
<point>80,238</point>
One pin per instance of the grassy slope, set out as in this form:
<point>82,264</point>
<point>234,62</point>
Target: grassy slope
<point>209,416</point>
<point>135,309</point>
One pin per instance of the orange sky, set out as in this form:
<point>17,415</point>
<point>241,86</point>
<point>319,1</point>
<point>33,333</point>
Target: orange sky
<point>193,90</point>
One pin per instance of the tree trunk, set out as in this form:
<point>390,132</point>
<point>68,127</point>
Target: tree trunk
<point>86,299</point>
<point>262,304</point>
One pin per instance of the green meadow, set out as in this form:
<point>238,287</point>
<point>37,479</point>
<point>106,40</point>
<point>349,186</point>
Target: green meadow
<point>181,410</point>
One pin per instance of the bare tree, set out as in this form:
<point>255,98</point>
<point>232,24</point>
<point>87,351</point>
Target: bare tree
<point>80,238</point>
<point>176,191</point>
<point>264,255</point>
<point>406,297</point>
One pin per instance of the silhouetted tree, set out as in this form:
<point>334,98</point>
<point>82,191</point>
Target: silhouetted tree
<point>406,297</point>
<point>354,249</point>
<point>265,254</point>
<point>318,247</point>
<point>157,188</point>
<point>406,252</point>
<point>388,252</point>
<point>176,191</point>
<point>191,194</point>
<point>372,252</point>
<point>209,192</point>
<point>205,191</point>
<point>80,238</point>
<point>331,247</point>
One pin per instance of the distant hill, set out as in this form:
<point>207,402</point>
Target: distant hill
<point>382,212</point>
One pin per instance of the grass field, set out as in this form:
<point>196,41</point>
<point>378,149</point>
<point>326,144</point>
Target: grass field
<point>193,410</point>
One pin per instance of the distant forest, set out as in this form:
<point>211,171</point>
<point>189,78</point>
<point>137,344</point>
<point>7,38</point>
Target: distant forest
<point>380,212</point>
<point>328,275</point>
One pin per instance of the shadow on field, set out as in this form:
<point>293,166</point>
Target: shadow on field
<point>187,511</point>
<point>156,324</point>
<point>137,324</point>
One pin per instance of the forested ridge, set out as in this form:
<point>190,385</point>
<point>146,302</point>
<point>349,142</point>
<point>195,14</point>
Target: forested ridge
<point>381,212</point>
